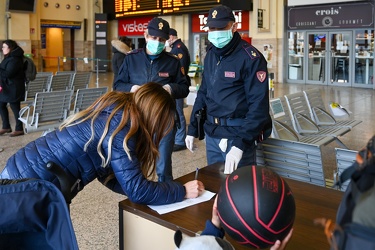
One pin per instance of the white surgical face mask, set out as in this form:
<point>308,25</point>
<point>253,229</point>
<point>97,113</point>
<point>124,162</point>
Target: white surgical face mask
<point>167,44</point>
<point>155,47</point>
<point>220,38</point>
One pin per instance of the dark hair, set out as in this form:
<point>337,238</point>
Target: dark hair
<point>126,40</point>
<point>11,44</point>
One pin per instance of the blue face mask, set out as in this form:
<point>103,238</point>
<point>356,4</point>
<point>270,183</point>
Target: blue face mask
<point>155,47</point>
<point>220,38</point>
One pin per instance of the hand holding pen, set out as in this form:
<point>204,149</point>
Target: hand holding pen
<point>194,188</point>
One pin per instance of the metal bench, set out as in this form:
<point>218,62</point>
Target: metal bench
<point>344,159</point>
<point>319,113</point>
<point>81,80</point>
<point>61,82</point>
<point>294,160</point>
<point>282,125</point>
<point>303,124</point>
<point>46,112</point>
<point>39,84</point>
<point>85,97</point>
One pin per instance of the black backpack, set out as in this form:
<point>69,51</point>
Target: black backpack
<point>355,221</point>
<point>29,69</point>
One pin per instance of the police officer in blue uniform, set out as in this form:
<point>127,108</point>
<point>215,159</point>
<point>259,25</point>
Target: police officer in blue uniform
<point>234,94</point>
<point>179,49</point>
<point>154,64</point>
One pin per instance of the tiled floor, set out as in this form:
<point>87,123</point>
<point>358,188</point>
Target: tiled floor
<point>94,211</point>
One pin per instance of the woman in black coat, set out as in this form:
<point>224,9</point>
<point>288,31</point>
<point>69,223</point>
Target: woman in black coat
<point>12,83</point>
<point>120,47</point>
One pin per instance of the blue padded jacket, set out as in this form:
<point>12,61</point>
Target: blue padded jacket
<point>66,148</point>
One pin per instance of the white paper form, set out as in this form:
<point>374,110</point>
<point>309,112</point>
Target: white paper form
<point>163,209</point>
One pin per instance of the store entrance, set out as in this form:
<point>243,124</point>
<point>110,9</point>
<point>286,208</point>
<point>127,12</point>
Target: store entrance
<point>138,42</point>
<point>329,58</point>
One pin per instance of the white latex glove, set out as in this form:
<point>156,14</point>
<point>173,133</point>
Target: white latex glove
<point>167,88</point>
<point>233,158</point>
<point>223,144</point>
<point>189,141</point>
<point>134,88</point>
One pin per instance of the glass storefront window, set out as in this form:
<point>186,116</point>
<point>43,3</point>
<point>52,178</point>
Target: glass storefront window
<point>317,56</point>
<point>364,56</point>
<point>295,55</point>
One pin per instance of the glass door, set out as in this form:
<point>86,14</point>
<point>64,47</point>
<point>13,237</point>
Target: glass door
<point>339,58</point>
<point>364,58</point>
<point>317,57</point>
<point>295,56</point>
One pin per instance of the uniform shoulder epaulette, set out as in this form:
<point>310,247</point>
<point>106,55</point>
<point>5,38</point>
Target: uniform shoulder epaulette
<point>135,51</point>
<point>172,55</point>
<point>251,51</point>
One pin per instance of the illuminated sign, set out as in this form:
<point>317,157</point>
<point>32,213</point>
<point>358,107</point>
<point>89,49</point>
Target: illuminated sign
<point>199,20</point>
<point>126,8</point>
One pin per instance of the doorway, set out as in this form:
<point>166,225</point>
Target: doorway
<point>56,45</point>
<point>329,56</point>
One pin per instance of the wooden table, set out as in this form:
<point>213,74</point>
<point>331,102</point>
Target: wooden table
<point>311,202</point>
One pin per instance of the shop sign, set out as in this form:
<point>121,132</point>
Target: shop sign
<point>199,20</point>
<point>133,26</point>
<point>350,15</point>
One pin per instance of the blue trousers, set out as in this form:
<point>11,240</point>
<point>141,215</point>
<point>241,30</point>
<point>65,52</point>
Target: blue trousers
<point>164,163</point>
<point>214,153</point>
<point>181,132</point>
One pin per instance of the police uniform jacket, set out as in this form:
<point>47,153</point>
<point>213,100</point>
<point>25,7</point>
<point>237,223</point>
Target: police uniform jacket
<point>181,51</point>
<point>235,93</point>
<point>138,69</point>
<point>66,148</point>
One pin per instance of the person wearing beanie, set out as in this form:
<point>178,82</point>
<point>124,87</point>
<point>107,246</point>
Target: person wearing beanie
<point>153,63</point>
<point>179,49</point>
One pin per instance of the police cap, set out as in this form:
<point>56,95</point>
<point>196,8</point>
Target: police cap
<point>172,32</point>
<point>158,27</point>
<point>219,16</point>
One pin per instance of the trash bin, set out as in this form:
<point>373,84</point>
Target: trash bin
<point>295,71</point>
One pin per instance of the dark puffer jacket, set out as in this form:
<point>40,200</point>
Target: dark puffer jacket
<point>12,77</point>
<point>119,50</point>
<point>66,148</point>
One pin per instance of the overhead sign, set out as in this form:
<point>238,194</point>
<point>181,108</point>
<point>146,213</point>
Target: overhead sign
<point>133,26</point>
<point>126,8</point>
<point>199,20</point>
<point>350,15</point>
<point>60,24</point>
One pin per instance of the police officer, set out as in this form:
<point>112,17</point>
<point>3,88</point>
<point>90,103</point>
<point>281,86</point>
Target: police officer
<point>234,93</point>
<point>179,49</point>
<point>154,64</point>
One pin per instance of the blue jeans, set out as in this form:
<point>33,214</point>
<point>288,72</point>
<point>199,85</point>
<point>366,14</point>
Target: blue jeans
<point>181,132</point>
<point>214,153</point>
<point>164,163</point>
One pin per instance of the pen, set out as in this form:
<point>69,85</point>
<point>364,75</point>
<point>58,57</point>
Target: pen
<point>196,173</point>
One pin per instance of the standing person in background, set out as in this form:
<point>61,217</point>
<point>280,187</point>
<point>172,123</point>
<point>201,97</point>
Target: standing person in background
<point>234,94</point>
<point>181,51</point>
<point>120,47</point>
<point>153,63</point>
<point>12,84</point>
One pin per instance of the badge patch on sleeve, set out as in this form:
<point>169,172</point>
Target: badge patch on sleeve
<point>180,55</point>
<point>230,74</point>
<point>261,75</point>
<point>163,74</point>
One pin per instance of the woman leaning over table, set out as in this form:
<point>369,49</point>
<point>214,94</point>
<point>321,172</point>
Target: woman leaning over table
<point>12,84</point>
<point>116,141</point>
